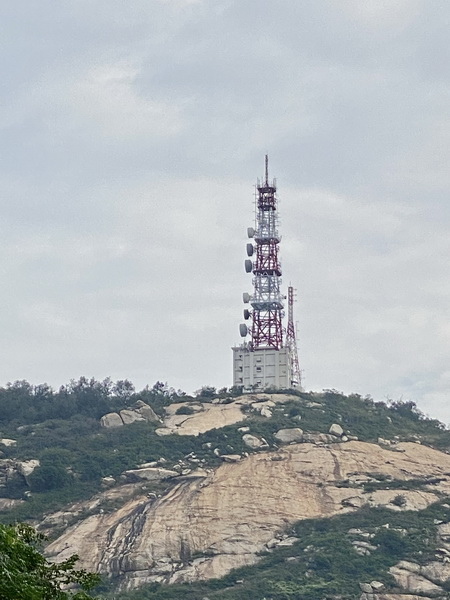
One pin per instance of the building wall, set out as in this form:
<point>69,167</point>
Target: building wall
<point>260,369</point>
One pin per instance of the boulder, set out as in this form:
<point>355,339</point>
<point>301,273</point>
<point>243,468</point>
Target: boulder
<point>108,481</point>
<point>231,458</point>
<point>111,420</point>
<point>383,442</point>
<point>377,586</point>
<point>130,416</point>
<point>366,588</point>
<point>266,412</point>
<point>406,575</point>
<point>164,431</point>
<point>289,435</point>
<point>444,531</point>
<point>356,532</point>
<point>436,571</point>
<point>254,442</point>
<point>146,412</point>
<point>353,502</point>
<point>336,430</point>
<point>26,467</point>
<point>149,474</point>
<point>319,438</point>
<point>289,541</point>
<point>8,442</point>
<point>365,545</point>
<point>9,503</point>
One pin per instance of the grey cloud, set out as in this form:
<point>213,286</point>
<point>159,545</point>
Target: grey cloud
<point>131,138</point>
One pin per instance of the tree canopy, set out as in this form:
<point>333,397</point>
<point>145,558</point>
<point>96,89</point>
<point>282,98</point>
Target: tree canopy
<point>25,574</point>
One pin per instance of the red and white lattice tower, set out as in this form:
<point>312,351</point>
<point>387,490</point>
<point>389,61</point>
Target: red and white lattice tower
<point>264,361</point>
<point>267,301</point>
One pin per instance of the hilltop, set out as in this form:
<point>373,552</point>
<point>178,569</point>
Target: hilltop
<point>306,495</point>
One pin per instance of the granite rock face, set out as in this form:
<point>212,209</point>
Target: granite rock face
<point>209,522</point>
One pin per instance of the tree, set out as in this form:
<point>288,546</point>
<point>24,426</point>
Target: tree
<point>207,391</point>
<point>49,477</point>
<point>25,574</point>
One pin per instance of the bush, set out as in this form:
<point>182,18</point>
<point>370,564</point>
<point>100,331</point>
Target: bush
<point>49,477</point>
<point>185,410</point>
<point>399,500</point>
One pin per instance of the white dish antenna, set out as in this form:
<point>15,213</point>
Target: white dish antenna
<point>243,329</point>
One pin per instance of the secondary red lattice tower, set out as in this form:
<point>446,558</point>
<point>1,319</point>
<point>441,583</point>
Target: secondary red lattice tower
<point>291,341</point>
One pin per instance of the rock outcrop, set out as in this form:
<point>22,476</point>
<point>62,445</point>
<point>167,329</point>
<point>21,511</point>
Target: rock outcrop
<point>408,576</point>
<point>254,442</point>
<point>139,412</point>
<point>210,522</point>
<point>149,474</point>
<point>111,420</point>
<point>10,469</point>
<point>289,435</point>
<point>214,415</point>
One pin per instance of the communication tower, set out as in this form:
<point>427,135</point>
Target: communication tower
<point>265,361</point>
<point>291,341</point>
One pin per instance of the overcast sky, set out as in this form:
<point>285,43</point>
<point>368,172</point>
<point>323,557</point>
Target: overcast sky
<point>132,134</point>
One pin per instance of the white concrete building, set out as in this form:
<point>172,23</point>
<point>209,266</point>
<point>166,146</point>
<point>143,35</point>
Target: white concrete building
<point>261,369</point>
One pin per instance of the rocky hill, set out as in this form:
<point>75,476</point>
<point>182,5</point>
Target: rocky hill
<point>275,496</point>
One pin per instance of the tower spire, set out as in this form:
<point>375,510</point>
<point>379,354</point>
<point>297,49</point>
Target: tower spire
<point>267,170</point>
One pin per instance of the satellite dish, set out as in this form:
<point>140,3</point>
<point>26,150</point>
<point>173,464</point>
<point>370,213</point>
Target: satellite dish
<point>246,313</point>
<point>248,266</point>
<point>243,329</point>
<point>246,297</point>
<point>250,232</point>
<point>250,249</point>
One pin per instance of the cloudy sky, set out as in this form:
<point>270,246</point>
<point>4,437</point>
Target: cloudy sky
<point>132,133</point>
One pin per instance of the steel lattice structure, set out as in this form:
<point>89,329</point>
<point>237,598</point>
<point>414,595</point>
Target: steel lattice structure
<point>267,301</point>
<point>291,341</point>
<point>265,362</point>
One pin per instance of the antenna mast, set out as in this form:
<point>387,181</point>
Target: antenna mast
<point>291,341</point>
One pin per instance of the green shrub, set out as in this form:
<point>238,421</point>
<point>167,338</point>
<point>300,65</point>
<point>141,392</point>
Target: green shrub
<point>185,410</point>
<point>49,477</point>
